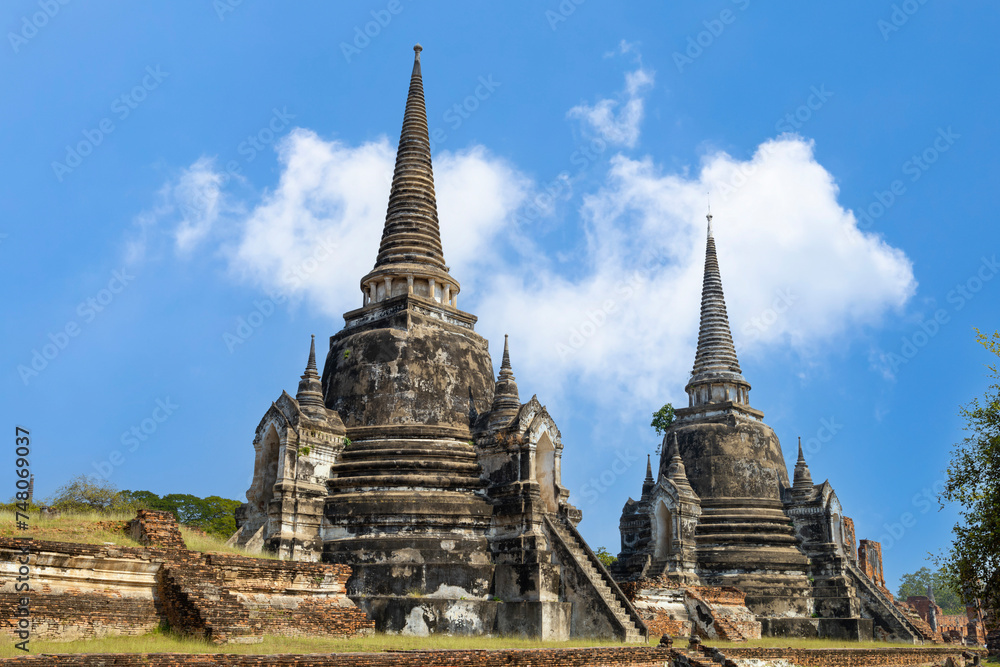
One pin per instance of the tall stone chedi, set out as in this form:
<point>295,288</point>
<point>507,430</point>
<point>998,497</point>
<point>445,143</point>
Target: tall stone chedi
<point>444,491</point>
<point>735,466</point>
<point>723,513</point>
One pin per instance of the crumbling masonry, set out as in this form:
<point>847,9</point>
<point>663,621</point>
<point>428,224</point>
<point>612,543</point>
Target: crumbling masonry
<point>409,462</point>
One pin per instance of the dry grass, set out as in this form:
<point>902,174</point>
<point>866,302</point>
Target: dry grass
<point>196,540</point>
<point>800,642</point>
<point>81,527</point>
<point>105,528</point>
<point>166,642</point>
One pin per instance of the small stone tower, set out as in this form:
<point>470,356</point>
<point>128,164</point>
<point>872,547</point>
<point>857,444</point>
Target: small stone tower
<point>295,446</point>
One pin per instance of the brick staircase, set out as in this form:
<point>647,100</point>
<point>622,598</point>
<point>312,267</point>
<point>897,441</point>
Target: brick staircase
<point>195,598</point>
<point>888,615</point>
<point>631,627</point>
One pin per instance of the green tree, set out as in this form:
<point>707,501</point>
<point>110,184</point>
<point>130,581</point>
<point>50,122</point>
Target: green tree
<point>213,514</point>
<point>916,583</point>
<point>972,564</point>
<point>605,557</point>
<point>662,419</point>
<point>88,494</point>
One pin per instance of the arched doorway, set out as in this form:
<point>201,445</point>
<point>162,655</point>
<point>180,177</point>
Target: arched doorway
<point>664,530</point>
<point>267,469</point>
<point>545,472</point>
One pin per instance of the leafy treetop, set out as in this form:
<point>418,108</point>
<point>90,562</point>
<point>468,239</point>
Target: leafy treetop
<point>972,565</point>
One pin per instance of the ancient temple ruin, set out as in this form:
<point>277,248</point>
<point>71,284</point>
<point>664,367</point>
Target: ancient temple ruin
<point>409,462</point>
<point>721,511</point>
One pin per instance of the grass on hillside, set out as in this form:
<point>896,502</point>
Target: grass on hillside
<point>82,527</point>
<point>105,528</point>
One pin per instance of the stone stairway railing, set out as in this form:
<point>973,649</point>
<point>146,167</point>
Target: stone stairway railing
<point>886,606</point>
<point>631,625</point>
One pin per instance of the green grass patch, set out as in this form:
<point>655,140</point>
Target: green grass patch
<point>80,527</point>
<point>106,528</point>
<point>161,641</point>
<point>197,540</point>
<point>167,642</point>
<point>801,642</point>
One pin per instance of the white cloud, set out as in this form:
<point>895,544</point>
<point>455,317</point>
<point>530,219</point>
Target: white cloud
<point>193,203</point>
<point>200,201</point>
<point>623,322</point>
<point>331,200</point>
<point>617,120</point>
<point>796,270</point>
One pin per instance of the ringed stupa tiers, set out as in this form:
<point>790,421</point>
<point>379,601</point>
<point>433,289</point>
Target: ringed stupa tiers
<point>419,468</point>
<point>721,510</point>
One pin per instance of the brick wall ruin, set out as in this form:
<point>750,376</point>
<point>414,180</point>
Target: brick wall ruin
<point>82,591</point>
<point>710,612</point>
<point>870,562</point>
<point>154,528</point>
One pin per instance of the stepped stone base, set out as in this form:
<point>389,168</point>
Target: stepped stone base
<point>83,591</point>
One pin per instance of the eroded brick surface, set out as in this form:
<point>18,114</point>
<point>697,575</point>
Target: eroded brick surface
<point>82,591</point>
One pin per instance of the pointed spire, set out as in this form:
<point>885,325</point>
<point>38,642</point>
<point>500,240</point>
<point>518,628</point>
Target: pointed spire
<point>803,484</point>
<point>649,482</point>
<point>506,371</point>
<point>411,234</point>
<point>506,401</point>
<point>715,361</point>
<point>410,257</point>
<point>310,393</point>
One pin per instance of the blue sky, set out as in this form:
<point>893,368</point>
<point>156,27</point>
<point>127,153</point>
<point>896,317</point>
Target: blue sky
<point>172,170</point>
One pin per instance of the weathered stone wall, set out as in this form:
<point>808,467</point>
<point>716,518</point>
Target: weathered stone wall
<point>83,591</point>
<point>575,657</point>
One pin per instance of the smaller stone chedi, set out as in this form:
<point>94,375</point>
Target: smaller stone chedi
<point>720,510</point>
<point>415,465</point>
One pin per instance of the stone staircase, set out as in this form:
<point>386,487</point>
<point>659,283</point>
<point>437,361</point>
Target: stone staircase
<point>196,602</point>
<point>630,625</point>
<point>887,614</point>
